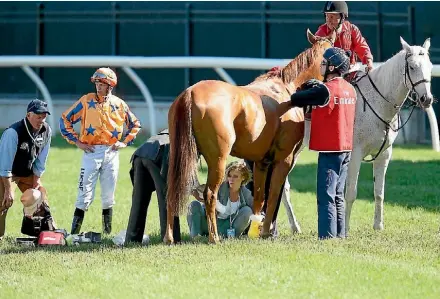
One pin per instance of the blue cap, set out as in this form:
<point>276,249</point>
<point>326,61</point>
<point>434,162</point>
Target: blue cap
<point>38,107</point>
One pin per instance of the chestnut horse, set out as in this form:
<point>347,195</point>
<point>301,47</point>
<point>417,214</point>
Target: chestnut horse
<point>217,119</point>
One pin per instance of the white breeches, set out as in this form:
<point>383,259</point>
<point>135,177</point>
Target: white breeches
<point>103,163</point>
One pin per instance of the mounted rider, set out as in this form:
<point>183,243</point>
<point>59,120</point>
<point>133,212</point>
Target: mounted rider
<point>348,35</point>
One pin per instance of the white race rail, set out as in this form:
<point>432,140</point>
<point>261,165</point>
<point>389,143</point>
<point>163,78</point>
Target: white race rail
<point>127,63</point>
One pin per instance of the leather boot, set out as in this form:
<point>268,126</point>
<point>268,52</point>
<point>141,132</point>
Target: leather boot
<point>76,225</point>
<point>77,221</point>
<point>107,221</point>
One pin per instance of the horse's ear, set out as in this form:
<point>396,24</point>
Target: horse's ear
<point>427,44</point>
<point>405,45</point>
<point>310,37</point>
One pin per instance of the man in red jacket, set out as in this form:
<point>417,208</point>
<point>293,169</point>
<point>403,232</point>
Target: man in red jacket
<point>348,36</point>
<point>331,134</point>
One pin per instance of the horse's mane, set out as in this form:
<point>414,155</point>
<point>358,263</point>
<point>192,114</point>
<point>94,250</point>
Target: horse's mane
<point>291,71</point>
<point>386,72</point>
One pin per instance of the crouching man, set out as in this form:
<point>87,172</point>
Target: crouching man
<point>24,148</point>
<point>149,173</point>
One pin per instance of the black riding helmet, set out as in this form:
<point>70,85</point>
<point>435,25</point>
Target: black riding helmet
<point>336,6</point>
<point>337,58</point>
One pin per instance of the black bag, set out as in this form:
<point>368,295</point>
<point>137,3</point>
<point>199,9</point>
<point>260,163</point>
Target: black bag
<point>33,226</point>
<point>40,221</point>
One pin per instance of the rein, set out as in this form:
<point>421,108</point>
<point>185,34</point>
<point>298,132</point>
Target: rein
<point>399,108</point>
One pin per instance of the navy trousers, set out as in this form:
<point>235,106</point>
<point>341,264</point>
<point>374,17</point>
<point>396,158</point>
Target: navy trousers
<point>331,177</point>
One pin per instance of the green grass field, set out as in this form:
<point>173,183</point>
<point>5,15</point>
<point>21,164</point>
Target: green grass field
<point>400,262</point>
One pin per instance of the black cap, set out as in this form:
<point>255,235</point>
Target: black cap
<point>38,107</point>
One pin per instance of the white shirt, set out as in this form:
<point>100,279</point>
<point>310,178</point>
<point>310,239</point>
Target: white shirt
<point>228,210</point>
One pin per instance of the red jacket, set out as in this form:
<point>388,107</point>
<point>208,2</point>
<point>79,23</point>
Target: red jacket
<point>349,38</point>
<point>332,125</point>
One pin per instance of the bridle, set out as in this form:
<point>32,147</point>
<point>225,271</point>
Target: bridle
<point>413,85</point>
<point>411,90</point>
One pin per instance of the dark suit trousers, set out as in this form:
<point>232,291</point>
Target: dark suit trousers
<point>146,178</point>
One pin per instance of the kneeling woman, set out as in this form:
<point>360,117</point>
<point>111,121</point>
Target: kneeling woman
<point>233,206</point>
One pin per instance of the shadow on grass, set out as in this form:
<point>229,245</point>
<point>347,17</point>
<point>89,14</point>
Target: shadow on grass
<point>408,184</point>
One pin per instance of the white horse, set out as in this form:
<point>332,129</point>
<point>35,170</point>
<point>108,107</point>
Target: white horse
<point>380,96</point>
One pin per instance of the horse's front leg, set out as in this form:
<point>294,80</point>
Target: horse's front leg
<point>380,166</point>
<point>260,174</point>
<point>351,185</point>
<point>279,174</point>
<point>285,198</point>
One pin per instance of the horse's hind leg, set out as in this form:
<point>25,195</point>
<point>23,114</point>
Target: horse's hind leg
<point>351,186</point>
<point>216,171</point>
<point>216,152</point>
<point>380,166</point>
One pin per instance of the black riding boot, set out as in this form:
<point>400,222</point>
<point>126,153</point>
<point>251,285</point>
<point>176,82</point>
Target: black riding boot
<point>77,221</point>
<point>107,220</point>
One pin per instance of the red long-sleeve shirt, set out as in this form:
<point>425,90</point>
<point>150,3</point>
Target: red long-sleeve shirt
<point>349,38</point>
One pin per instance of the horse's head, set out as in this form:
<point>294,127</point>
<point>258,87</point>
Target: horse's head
<point>319,44</point>
<point>418,71</point>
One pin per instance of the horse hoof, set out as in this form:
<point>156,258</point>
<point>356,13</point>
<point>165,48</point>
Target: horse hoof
<point>378,227</point>
<point>214,241</point>
<point>296,230</point>
<point>266,236</point>
<point>168,241</point>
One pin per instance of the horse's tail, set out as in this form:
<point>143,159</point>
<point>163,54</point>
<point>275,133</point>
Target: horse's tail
<point>182,172</point>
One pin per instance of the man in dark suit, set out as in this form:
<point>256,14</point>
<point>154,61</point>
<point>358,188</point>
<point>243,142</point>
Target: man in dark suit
<point>148,174</point>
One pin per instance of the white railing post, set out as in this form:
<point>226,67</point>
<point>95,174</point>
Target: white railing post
<point>434,129</point>
<point>45,92</point>
<point>224,75</point>
<point>146,94</point>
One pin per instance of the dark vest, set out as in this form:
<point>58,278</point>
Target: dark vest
<point>156,149</point>
<point>27,149</point>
